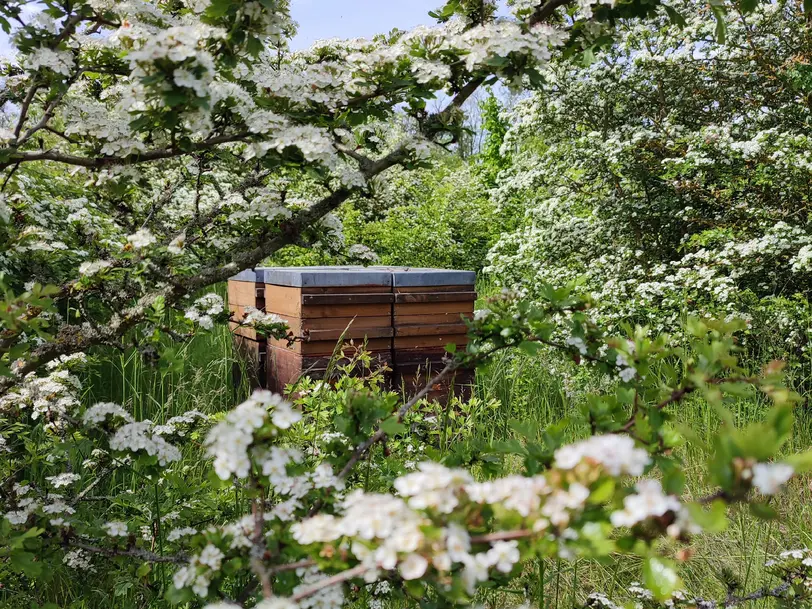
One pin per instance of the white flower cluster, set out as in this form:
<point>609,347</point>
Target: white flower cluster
<point>141,239</point>
<point>651,502</point>
<point>230,440</point>
<point>205,309</point>
<point>79,560</point>
<point>176,534</point>
<point>61,62</point>
<point>116,528</point>
<point>506,38</point>
<point>768,478</point>
<point>266,323</point>
<point>61,480</point>
<point>616,453</point>
<point>101,411</point>
<point>88,269</point>
<point>361,252</point>
<point>180,424</point>
<point>198,573</point>
<point>598,600</point>
<point>49,397</point>
<point>141,436</point>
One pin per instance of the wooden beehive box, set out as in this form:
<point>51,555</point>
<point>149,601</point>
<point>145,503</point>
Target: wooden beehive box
<point>427,315</point>
<point>405,316</point>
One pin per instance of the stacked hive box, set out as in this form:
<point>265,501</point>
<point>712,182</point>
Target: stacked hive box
<point>244,291</point>
<point>427,315</point>
<point>406,316</point>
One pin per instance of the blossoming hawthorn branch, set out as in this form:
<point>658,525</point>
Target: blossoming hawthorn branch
<point>152,149</point>
<point>205,85</point>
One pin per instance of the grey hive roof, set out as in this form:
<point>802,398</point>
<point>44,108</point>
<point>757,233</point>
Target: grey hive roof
<point>336,276</point>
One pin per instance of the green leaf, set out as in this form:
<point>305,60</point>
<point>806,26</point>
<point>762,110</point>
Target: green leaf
<point>808,6</point>
<point>748,6</point>
<point>530,347</point>
<point>603,492</point>
<point>143,570</point>
<point>713,520</point>
<point>660,577</point>
<point>392,426</point>
<point>801,463</point>
<point>26,562</point>
<point>721,24</point>
<point>763,511</point>
<point>675,17</point>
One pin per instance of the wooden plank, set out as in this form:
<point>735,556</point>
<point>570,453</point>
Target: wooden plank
<point>346,299</point>
<point>433,297</point>
<point>434,308</point>
<point>249,351</point>
<point>356,326</point>
<point>363,310</point>
<point>283,300</point>
<point>326,347</point>
<point>350,289</point>
<point>242,293</point>
<point>339,323</point>
<point>439,318</point>
<point>353,332</point>
<point>431,288</point>
<point>432,330</point>
<point>285,367</point>
<point>417,342</point>
<point>421,355</point>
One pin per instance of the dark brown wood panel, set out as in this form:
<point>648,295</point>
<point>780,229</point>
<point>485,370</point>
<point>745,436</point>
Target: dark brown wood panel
<point>416,342</point>
<point>431,330</point>
<point>346,299</point>
<point>433,297</point>
<point>363,310</point>
<point>439,318</point>
<point>362,289</point>
<point>433,288</point>
<point>434,308</point>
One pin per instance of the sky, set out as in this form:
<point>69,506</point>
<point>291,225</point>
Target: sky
<point>343,18</point>
<point>356,18</point>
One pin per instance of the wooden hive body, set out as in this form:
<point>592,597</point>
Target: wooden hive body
<point>405,316</point>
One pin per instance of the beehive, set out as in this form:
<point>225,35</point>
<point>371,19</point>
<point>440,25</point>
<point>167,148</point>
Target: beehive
<point>427,315</point>
<point>406,316</point>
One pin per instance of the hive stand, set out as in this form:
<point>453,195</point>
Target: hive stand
<point>406,315</point>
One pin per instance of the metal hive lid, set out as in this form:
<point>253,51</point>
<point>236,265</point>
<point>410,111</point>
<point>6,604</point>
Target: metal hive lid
<point>338,276</point>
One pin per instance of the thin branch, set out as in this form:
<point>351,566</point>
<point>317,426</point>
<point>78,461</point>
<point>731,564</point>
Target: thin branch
<point>145,555</point>
<point>502,536</point>
<point>379,435</point>
<point>545,11</point>
<point>258,548</point>
<point>333,580</point>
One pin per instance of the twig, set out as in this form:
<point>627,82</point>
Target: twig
<point>333,580</point>
<point>502,536</point>
<point>146,555</point>
<point>258,548</point>
<point>402,411</point>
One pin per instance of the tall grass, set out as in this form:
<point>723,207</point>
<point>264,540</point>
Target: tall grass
<point>527,389</point>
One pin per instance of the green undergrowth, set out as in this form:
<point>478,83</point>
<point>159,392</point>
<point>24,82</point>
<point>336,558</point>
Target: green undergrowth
<point>513,392</point>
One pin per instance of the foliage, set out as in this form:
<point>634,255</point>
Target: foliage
<point>152,149</point>
<point>671,176</point>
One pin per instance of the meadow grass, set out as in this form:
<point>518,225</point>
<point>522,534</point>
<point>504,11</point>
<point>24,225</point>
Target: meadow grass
<point>528,389</point>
